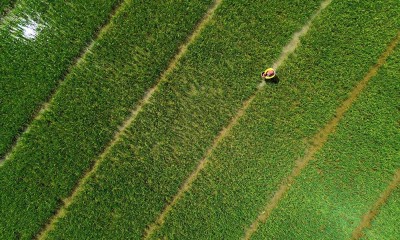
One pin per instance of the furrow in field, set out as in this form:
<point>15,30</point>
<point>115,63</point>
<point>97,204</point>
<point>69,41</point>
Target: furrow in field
<point>143,171</point>
<point>352,169</point>
<point>287,50</point>
<point>45,105</point>
<point>182,50</point>
<point>39,42</point>
<point>247,167</point>
<point>319,140</point>
<point>85,113</point>
<point>385,224</point>
<point>192,177</point>
<point>294,43</point>
<point>374,211</point>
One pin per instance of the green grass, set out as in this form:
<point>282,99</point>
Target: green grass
<point>90,104</point>
<point>170,136</point>
<point>247,167</point>
<point>347,176</point>
<point>32,68</point>
<point>386,224</point>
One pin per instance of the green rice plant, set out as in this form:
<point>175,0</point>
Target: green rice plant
<point>246,169</point>
<point>96,97</point>
<point>386,223</point>
<point>39,41</point>
<point>346,178</point>
<point>165,142</point>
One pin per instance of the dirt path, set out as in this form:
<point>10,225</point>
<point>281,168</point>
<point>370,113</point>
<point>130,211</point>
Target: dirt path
<point>79,187</point>
<point>294,43</point>
<point>374,211</point>
<point>193,176</point>
<point>319,140</point>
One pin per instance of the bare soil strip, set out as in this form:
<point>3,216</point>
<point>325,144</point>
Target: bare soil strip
<point>294,43</point>
<point>287,50</point>
<point>61,212</point>
<point>319,140</point>
<point>80,58</point>
<point>193,176</point>
<point>374,211</point>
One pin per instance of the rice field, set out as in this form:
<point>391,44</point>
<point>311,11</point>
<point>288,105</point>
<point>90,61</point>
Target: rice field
<point>129,119</point>
<point>39,44</point>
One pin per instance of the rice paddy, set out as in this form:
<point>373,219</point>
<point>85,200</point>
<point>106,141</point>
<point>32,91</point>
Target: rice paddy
<point>149,120</point>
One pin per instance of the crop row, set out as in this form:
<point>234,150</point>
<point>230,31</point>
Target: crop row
<point>349,174</point>
<point>385,225</point>
<point>164,144</point>
<point>95,98</point>
<point>244,172</point>
<point>39,41</point>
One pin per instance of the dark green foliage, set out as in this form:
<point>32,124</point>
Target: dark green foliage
<point>145,169</point>
<point>90,104</point>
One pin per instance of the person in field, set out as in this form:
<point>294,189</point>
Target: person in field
<point>270,74</point>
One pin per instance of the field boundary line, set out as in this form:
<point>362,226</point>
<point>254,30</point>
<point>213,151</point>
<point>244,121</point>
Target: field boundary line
<point>319,140</point>
<point>374,211</point>
<point>102,29</point>
<point>287,50</point>
<point>61,212</point>
<point>293,44</point>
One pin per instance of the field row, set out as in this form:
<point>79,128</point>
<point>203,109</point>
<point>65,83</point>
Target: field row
<point>246,169</point>
<point>385,225</point>
<point>347,176</point>
<point>165,142</point>
<point>145,169</point>
<point>95,98</point>
<point>60,133</point>
<point>383,140</point>
<point>39,40</point>
<point>149,165</point>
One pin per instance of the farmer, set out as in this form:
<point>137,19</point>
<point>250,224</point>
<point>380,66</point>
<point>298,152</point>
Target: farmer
<point>268,73</point>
